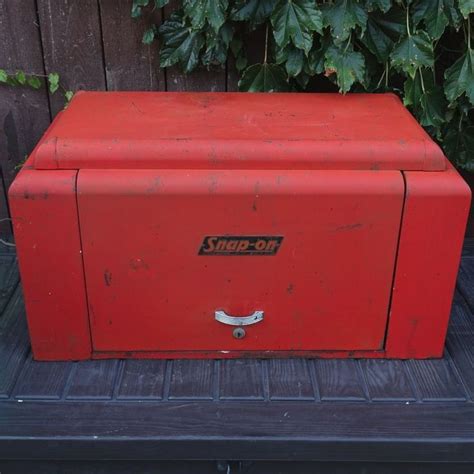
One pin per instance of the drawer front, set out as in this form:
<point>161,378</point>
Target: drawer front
<point>309,254</point>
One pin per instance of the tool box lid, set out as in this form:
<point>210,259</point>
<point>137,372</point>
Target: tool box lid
<point>153,130</point>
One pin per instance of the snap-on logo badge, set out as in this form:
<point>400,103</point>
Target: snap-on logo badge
<point>240,245</point>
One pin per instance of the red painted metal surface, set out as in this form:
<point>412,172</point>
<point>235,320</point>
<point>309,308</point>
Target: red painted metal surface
<point>141,215</point>
<point>238,131</point>
<point>434,220</point>
<point>44,209</point>
<point>142,231</point>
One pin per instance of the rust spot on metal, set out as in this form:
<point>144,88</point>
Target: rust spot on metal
<point>212,185</point>
<point>212,155</point>
<point>135,106</point>
<point>107,277</point>
<point>33,197</point>
<point>347,227</point>
<point>154,186</point>
<point>205,101</point>
<point>138,264</point>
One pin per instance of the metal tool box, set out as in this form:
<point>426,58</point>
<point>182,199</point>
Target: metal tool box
<point>216,225</point>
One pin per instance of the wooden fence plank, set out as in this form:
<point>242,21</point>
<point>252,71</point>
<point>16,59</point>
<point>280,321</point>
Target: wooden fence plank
<point>72,45</point>
<point>129,64</point>
<point>24,112</point>
<point>199,80</point>
<point>233,75</point>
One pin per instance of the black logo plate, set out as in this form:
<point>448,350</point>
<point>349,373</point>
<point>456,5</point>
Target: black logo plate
<point>240,245</point>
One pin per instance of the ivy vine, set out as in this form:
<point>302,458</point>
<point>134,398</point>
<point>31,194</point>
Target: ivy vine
<point>35,81</point>
<point>420,49</point>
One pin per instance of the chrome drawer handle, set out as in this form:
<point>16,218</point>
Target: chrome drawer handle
<point>225,318</point>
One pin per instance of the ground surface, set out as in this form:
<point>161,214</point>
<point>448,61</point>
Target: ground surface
<point>297,409</point>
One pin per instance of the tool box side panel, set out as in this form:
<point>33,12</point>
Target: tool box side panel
<point>433,226</point>
<point>45,221</point>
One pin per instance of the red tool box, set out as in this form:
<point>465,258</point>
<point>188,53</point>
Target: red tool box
<point>175,225</point>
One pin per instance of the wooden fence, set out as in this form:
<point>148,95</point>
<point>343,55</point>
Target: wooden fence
<point>91,44</point>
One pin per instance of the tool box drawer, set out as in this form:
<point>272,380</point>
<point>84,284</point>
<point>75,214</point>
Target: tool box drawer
<point>167,248</point>
<point>233,225</point>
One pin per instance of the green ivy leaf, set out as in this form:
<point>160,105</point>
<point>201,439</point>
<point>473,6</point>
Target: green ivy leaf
<point>383,32</point>
<point>458,144</point>
<point>53,81</point>
<point>459,78</point>
<point>452,12</point>
<point>413,90</point>
<point>281,55</point>
<point>347,64</point>
<point>217,45</point>
<point>466,7</point>
<point>374,78</point>
<point>433,104</point>
<point>434,14</point>
<point>255,12</point>
<point>137,6</point>
<point>315,63</point>
<point>343,17</point>
<point>11,81</point>
<point>236,46</point>
<point>264,78</point>
<point>241,63</point>
<point>413,52</point>
<point>296,21</point>
<point>425,98</point>
<point>302,80</point>
<point>20,78</point>
<point>149,35</point>
<point>316,57</point>
<point>383,5</point>
<point>34,82</point>
<point>295,62</point>
<point>3,76</point>
<point>181,45</point>
<point>214,11</point>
